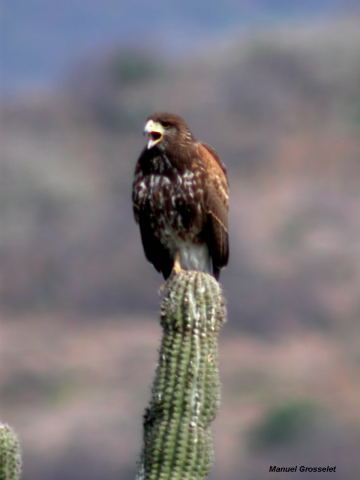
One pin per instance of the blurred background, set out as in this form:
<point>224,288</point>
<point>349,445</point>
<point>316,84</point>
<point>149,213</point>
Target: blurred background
<point>274,86</point>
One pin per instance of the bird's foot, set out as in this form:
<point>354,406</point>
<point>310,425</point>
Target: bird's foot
<point>177,265</point>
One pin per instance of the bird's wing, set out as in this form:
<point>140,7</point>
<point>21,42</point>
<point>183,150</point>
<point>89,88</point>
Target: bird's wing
<point>155,252</point>
<point>216,206</point>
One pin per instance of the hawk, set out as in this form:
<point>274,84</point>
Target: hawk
<point>180,199</point>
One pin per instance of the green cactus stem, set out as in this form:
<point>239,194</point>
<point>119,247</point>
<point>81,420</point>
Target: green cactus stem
<point>10,455</point>
<point>186,389</point>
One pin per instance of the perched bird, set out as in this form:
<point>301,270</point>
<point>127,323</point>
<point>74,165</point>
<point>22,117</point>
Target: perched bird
<point>180,199</point>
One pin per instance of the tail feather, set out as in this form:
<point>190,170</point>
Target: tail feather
<point>195,257</point>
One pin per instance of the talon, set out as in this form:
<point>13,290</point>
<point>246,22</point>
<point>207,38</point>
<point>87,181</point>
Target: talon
<point>177,265</point>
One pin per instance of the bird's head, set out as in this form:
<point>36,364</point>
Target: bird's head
<point>165,129</point>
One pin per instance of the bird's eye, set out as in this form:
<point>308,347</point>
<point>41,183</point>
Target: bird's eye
<point>166,124</point>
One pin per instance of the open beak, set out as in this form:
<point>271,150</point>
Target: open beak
<point>155,133</point>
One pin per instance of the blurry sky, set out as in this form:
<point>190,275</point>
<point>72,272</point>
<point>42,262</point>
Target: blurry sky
<point>41,39</point>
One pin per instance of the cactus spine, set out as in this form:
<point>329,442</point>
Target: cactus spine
<point>10,456</point>
<point>185,392</point>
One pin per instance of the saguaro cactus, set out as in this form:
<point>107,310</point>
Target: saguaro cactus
<point>185,392</point>
<point>10,456</point>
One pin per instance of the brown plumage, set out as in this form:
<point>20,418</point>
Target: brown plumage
<point>180,199</point>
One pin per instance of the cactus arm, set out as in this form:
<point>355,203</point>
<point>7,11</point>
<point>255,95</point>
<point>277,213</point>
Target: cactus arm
<point>10,455</point>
